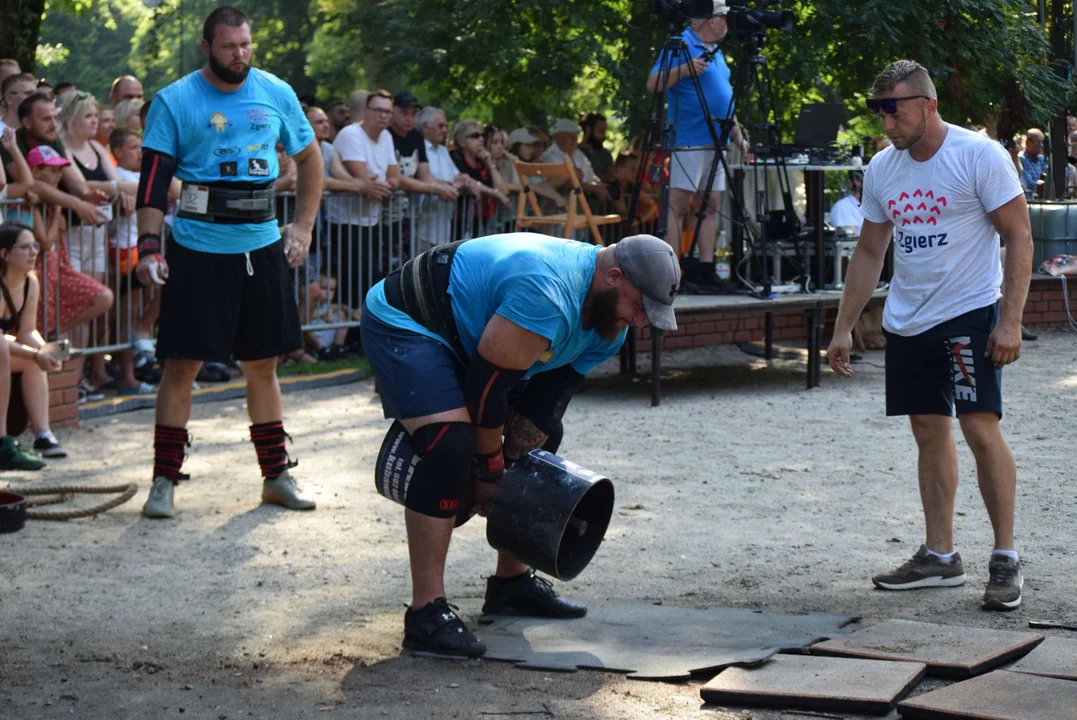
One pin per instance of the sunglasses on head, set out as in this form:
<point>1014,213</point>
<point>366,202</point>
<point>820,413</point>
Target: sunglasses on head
<point>890,105</point>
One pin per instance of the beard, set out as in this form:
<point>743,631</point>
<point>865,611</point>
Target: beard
<point>604,320</point>
<point>907,142</point>
<point>226,73</point>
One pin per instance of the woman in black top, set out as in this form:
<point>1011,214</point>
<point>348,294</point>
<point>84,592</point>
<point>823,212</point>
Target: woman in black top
<point>487,185</point>
<point>20,293</point>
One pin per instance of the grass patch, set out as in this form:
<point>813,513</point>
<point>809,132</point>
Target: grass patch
<point>322,368</point>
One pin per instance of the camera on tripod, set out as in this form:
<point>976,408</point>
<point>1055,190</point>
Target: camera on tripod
<point>741,18</point>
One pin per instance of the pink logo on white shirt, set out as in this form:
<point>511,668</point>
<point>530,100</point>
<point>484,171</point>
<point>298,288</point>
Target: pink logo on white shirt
<point>920,213</point>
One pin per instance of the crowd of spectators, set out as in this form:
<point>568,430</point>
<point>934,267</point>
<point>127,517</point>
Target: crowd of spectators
<point>399,174</point>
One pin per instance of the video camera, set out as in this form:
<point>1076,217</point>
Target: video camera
<point>741,18</point>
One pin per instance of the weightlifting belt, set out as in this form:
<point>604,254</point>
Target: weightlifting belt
<point>421,289</point>
<point>223,203</point>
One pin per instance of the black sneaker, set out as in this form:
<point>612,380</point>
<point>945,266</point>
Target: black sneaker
<point>49,447</point>
<point>438,630</point>
<point>1026,335</point>
<point>1004,588</point>
<point>528,595</point>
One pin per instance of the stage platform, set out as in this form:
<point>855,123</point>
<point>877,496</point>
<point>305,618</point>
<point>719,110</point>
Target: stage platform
<point>689,307</point>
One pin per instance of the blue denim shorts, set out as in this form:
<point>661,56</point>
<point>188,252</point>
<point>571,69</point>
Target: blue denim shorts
<point>417,376</point>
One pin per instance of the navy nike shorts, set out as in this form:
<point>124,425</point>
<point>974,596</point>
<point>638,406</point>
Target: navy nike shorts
<point>944,368</point>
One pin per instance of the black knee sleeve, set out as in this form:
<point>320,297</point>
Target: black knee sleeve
<point>545,400</point>
<point>554,435</point>
<point>429,472</point>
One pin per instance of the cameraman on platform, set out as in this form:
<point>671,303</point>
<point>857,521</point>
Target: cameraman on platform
<point>692,142</point>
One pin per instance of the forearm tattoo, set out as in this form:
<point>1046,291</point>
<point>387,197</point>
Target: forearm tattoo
<point>521,436</point>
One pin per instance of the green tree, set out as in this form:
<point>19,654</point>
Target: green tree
<point>518,60</point>
<point>102,31</point>
<point>168,42</point>
<point>530,60</point>
<point>20,25</point>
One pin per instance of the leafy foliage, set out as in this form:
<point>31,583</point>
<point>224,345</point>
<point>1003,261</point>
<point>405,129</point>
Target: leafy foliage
<point>528,61</point>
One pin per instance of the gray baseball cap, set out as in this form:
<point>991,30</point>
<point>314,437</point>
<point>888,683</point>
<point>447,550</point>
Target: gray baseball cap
<point>649,264</point>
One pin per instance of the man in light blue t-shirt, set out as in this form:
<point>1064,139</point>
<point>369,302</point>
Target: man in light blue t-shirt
<point>478,347</point>
<point>227,286</point>
<point>693,142</point>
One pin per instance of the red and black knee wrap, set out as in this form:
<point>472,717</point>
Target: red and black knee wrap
<point>268,439</point>
<point>169,451</point>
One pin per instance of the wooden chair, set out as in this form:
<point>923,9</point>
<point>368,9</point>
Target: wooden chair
<point>578,213</point>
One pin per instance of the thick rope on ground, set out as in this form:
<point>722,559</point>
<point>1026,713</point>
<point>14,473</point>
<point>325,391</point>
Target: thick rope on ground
<point>126,493</point>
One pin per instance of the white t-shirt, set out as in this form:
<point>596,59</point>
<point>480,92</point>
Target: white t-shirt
<point>126,235</point>
<point>441,165</point>
<point>328,153</point>
<point>555,154</point>
<point>354,145</point>
<point>946,253</point>
<point>846,213</point>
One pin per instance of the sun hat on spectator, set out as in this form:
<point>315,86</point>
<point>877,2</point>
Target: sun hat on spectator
<point>564,125</point>
<point>521,135</point>
<point>45,155</point>
<point>406,100</point>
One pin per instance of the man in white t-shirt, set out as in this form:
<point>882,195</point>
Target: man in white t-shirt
<point>354,233</point>
<point>566,140</point>
<point>946,195</point>
<point>846,212</point>
<point>436,214</point>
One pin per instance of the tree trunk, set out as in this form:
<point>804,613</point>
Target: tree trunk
<point>20,23</point>
<point>1059,136</point>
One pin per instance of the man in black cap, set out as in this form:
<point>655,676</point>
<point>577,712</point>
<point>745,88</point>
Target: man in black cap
<point>478,347</point>
<point>415,175</point>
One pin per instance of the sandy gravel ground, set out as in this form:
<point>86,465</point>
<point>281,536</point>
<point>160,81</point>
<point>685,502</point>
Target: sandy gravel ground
<point>747,490</point>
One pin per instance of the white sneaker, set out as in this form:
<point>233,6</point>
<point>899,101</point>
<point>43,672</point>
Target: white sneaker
<point>159,504</point>
<point>282,490</point>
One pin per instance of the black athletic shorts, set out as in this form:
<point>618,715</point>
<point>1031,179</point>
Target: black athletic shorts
<point>944,367</point>
<point>216,307</point>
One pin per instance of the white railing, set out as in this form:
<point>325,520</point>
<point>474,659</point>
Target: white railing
<point>356,242</point>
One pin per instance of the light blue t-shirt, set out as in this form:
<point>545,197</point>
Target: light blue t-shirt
<point>535,281</point>
<point>682,103</point>
<point>226,137</point>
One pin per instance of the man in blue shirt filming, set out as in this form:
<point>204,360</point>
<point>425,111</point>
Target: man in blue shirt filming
<point>694,146</point>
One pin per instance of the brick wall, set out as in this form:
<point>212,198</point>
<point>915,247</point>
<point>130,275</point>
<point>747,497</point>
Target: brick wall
<point>63,394</point>
<point>1045,306</point>
<point>704,329</point>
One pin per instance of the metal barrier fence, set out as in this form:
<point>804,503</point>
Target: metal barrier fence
<point>356,242</point>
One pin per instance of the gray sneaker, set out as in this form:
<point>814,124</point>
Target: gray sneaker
<point>159,504</point>
<point>1004,588</point>
<point>923,570</point>
<point>282,490</point>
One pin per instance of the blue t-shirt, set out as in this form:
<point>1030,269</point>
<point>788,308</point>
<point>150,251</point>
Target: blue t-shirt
<point>226,137</point>
<point>682,103</point>
<point>537,282</point>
